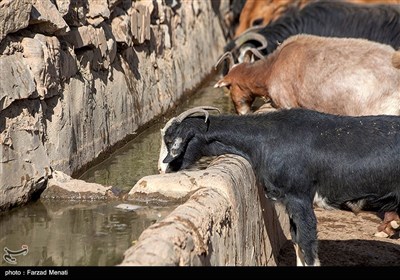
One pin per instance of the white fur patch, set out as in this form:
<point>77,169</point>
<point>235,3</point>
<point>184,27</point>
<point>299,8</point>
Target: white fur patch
<point>356,207</point>
<point>300,257</point>
<point>244,110</point>
<point>321,202</point>
<point>221,84</point>
<point>162,167</point>
<point>177,143</point>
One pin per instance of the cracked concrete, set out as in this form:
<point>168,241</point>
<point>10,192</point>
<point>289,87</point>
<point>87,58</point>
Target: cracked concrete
<point>225,219</point>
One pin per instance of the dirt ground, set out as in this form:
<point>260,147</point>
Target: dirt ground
<point>346,239</point>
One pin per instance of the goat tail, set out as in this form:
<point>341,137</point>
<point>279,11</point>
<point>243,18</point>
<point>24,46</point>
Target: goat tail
<point>396,59</point>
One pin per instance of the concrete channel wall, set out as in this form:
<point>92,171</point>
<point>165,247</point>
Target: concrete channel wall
<point>225,219</point>
<point>78,77</point>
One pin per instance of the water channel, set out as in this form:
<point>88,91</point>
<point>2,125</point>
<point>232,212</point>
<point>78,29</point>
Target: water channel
<point>97,233</point>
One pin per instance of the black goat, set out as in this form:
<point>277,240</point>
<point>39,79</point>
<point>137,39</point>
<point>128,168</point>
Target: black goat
<point>300,157</point>
<point>379,23</point>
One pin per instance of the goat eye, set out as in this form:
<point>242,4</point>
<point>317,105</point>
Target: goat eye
<point>258,21</point>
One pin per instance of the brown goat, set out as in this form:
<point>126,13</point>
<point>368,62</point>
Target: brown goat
<point>256,12</point>
<point>345,76</point>
<point>260,13</point>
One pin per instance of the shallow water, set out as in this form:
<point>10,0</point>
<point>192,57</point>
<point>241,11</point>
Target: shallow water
<point>74,234</point>
<point>96,233</point>
<point>139,157</point>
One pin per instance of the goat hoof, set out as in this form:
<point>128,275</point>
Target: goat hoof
<point>395,224</point>
<point>381,234</point>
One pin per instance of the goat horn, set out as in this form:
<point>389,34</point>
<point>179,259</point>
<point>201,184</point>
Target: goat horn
<point>255,28</point>
<point>248,36</point>
<point>253,51</point>
<point>200,109</point>
<point>227,55</point>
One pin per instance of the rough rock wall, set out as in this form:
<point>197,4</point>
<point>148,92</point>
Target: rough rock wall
<point>79,76</point>
<point>226,219</point>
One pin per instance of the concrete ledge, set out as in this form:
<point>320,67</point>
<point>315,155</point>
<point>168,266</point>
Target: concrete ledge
<point>226,220</point>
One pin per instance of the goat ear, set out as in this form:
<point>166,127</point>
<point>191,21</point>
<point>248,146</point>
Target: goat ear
<point>221,83</point>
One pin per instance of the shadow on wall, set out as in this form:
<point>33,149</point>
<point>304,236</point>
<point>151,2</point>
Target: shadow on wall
<point>30,107</point>
<point>273,225</point>
<point>131,59</point>
<point>174,4</point>
<point>275,231</point>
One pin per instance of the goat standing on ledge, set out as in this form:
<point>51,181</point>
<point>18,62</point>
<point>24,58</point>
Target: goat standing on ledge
<point>344,76</point>
<point>300,157</point>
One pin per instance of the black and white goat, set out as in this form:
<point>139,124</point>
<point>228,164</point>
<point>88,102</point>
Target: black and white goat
<point>379,23</point>
<point>300,157</point>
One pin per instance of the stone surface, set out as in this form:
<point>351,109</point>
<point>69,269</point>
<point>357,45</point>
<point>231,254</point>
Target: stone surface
<point>62,6</point>
<point>46,19</point>
<point>14,15</point>
<point>82,36</point>
<point>140,23</point>
<point>89,89</point>
<point>120,26</point>
<point>98,9</point>
<point>19,83</point>
<point>24,164</point>
<point>174,187</point>
<point>42,55</point>
<point>62,186</point>
<point>69,63</point>
<point>74,12</point>
<point>226,221</point>
<point>111,50</point>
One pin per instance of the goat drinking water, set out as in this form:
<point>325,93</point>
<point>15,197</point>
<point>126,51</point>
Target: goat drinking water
<point>334,75</point>
<point>300,157</point>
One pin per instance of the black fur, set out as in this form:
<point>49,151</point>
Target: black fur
<point>380,23</point>
<point>296,153</point>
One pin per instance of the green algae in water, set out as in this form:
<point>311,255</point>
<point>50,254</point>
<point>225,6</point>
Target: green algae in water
<point>62,233</point>
<point>74,234</point>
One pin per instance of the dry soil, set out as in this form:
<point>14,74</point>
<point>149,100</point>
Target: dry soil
<point>346,239</point>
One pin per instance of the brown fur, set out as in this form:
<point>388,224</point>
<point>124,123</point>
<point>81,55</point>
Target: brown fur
<point>266,11</point>
<point>345,76</point>
<point>396,59</point>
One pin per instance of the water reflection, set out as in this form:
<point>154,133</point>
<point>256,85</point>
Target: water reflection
<point>130,163</point>
<point>139,157</point>
<point>96,233</point>
<point>78,234</point>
